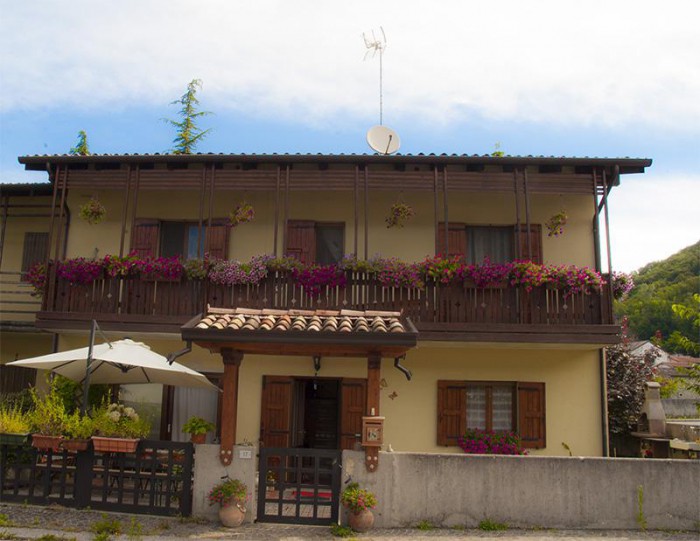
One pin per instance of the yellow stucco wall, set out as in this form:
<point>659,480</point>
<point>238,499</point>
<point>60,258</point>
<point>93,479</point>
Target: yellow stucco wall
<point>22,345</point>
<point>413,242</point>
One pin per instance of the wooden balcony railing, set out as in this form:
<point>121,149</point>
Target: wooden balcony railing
<point>446,305</point>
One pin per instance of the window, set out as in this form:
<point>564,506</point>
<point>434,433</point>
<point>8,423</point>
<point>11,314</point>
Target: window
<point>496,406</point>
<point>181,238</point>
<point>152,238</point>
<point>35,248</point>
<point>500,243</point>
<point>315,242</point>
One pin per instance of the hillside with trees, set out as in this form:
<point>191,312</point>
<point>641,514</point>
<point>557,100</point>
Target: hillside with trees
<point>658,286</point>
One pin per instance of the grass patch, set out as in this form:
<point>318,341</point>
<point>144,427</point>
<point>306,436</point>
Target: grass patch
<point>341,531</point>
<point>489,525</point>
<point>107,527</point>
<point>102,536</point>
<point>5,520</point>
<point>4,534</point>
<point>52,537</point>
<point>425,525</point>
<point>135,530</point>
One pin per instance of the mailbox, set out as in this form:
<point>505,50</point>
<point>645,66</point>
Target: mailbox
<point>372,431</point>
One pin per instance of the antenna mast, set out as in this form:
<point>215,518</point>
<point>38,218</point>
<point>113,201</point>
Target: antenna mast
<point>373,46</point>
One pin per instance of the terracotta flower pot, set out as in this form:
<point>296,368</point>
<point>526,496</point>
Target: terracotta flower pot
<point>115,445</point>
<point>198,438</point>
<point>42,441</point>
<point>231,515</point>
<point>361,521</point>
<point>77,445</point>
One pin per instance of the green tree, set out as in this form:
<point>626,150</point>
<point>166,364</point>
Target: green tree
<point>81,147</point>
<point>188,133</point>
<point>660,285</point>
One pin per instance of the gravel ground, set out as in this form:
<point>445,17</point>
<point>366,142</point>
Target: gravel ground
<point>26,522</point>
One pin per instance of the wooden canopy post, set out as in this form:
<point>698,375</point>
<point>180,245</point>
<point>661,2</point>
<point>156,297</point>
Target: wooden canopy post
<point>229,403</point>
<point>374,364</point>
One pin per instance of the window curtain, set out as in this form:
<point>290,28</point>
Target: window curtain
<point>189,402</point>
<point>496,243</point>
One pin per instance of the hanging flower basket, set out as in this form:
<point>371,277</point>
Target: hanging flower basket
<point>242,214</point>
<point>399,213</point>
<point>556,224</point>
<point>93,212</point>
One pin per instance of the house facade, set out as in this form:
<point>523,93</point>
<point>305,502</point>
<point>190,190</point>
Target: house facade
<point>300,360</point>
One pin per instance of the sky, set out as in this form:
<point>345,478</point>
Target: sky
<point>551,77</point>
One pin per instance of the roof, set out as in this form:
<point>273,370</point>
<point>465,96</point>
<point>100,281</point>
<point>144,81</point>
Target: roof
<point>296,332</point>
<point>626,164</point>
<point>26,188</point>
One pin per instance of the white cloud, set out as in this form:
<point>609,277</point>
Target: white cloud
<point>554,61</point>
<point>652,217</point>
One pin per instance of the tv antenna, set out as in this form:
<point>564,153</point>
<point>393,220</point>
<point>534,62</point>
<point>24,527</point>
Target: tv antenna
<point>380,138</point>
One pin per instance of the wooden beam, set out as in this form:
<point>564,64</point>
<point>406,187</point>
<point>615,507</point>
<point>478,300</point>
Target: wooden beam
<point>229,404</point>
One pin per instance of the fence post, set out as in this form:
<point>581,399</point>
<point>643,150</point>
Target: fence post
<point>82,489</point>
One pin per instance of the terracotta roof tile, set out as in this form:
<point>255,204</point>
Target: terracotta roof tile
<point>248,319</point>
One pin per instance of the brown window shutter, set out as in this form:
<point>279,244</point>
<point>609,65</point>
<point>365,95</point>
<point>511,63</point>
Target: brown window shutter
<point>531,415</point>
<point>301,240</point>
<point>217,240</point>
<point>353,401</point>
<point>144,237</point>
<point>275,415</point>
<point>452,411</point>
<point>457,239</point>
<point>35,249</point>
<point>533,250</point>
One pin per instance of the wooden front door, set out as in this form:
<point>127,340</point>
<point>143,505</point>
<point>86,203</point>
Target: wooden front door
<point>294,414</point>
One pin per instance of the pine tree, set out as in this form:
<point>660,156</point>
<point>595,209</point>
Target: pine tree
<point>81,147</point>
<point>188,133</point>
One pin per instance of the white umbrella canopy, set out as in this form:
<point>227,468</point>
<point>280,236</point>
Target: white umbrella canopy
<point>122,361</point>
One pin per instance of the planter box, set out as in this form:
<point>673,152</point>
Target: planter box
<point>75,445</point>
<point>14,439</point>
<point>115,445</point>
<point>47,443</point>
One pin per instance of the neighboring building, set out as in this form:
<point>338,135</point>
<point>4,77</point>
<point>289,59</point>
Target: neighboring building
<point>497,357</point>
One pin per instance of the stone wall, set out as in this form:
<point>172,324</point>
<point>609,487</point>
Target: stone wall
<point>548,492</point>
<point>208,471</point>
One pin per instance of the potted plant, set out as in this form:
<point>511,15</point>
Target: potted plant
<point>359,502</point>
<point>48,418</point>
<point>119,429</point>
<point>93,212</point>
<point>231,495</point>
<point>398,214</point>
<point>15,425</point>
<point>197,428</point>
<point>78,430</point>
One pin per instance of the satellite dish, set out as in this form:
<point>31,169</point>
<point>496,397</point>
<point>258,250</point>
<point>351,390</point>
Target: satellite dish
<point>383,140</point>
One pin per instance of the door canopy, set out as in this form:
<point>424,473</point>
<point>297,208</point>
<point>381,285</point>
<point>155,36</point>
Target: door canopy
<point>328,333</point>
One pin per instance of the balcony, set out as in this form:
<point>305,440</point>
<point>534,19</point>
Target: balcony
<point>453,312</point>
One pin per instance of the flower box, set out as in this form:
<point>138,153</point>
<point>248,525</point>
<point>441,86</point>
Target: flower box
<point>14,439</point>
<point>115,445</point>
<point>47,443</point>
<point>76,445</point>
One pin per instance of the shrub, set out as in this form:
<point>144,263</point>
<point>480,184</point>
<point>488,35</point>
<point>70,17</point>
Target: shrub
<point>357,499</point>
<point>119,421</point>
<point>229,491</point>
<point>49,414</point>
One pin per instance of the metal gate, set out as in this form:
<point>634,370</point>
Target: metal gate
<point>299,486</point>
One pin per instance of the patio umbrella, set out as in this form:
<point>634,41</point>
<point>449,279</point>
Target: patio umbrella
<point>122,361</point>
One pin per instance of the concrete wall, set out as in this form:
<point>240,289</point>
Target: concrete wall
<point>548,492</point>
<point>208,471</point>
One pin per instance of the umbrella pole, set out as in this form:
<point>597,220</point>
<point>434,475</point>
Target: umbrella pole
<point>86,381</point>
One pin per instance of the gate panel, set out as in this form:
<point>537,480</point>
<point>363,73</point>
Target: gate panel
<point>299,486</point>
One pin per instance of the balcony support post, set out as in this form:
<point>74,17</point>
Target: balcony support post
<point>125,211</point>
<point>134,205</point>
<point>445,209</point>
<point>200,223</point>
<point>366,171</point>
<point>517,210</point>
<point>527,214</point>
<point>277,210</point>
<point>436,211</point>
<point>229,403</point>
<point>357,210</point>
